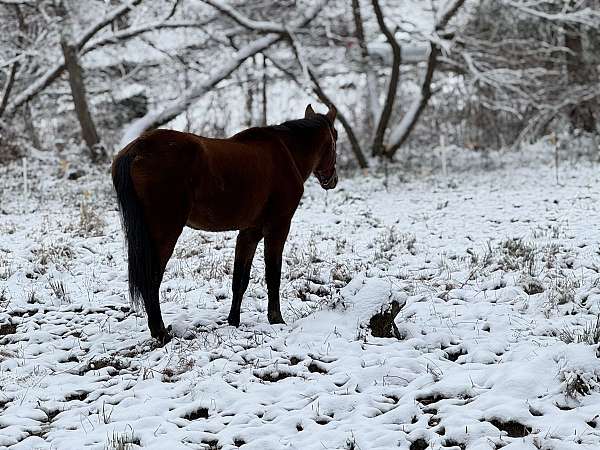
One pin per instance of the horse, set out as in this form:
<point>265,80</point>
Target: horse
<point>251,182</point>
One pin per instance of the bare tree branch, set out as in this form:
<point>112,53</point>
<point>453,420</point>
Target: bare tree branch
<point>253,25</point>
<point>320,93</point>
<point>17,2</point>
<point>263,26</point>
<point>54,72</point>
<point>584,16</point>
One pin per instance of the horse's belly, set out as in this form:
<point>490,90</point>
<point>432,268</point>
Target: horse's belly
<point>222,217</point>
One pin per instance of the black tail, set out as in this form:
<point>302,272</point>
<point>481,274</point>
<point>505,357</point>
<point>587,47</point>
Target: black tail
<point>144,262</point>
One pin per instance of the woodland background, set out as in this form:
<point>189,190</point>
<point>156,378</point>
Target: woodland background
<point>407,76</point>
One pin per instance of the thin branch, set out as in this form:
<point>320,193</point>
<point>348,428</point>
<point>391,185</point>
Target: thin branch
<point>288,32</point>
<point>585,16</point>
<point>320,93</point>
<point>129,33</point>
<point>252,25</point>
<point>18,2</point>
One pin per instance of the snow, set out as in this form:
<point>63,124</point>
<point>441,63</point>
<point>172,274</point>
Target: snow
<point>481,363</point>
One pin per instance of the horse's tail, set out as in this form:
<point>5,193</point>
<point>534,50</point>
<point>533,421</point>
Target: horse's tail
<point>143,259</point>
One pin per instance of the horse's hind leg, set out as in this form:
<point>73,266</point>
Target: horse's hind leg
<point>275,237</point>
<point>245,248</point>
<point>165,244</point>
<point>166,220</point>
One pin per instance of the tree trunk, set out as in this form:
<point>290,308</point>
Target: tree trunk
<point>263,117</point>
<point>248,85</point>
<point>371,95</point>
<point>30,127</point>
<point>580,73</point>
<point>399,135</point>
<point>88,129</point>
<point>386,112</point>
<point>8,86</point>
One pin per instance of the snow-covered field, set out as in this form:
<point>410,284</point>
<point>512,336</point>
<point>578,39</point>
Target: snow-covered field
<point>497,274</point>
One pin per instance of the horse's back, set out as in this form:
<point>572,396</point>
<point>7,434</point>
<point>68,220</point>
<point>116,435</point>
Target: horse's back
<point>234,183</point>
<point>222,184</point>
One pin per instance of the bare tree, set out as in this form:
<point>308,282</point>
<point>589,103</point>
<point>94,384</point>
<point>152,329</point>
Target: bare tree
<point>88,129</point>
<point>54,72</point>
<point>276,32</point>
<point>311,77</point>
<point>537,71</point>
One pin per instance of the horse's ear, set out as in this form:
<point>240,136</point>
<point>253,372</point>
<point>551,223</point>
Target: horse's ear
<point>309,112</point>
<point>331,113</point>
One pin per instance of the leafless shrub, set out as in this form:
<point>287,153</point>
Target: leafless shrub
<point>122,441</point>
<point>4,299</point>
<point>185,362</point>
<point>341,273</point>
<point>59,291</point>
<point>90,223</point>
<point>214,267</point>
<point>577,383</point>
<point>105,413</point>
<point>57,253</point>
<point>301,260</point>
<point>531,285</point>
<point>390,241</point>
<point>517,254</point>
<point>6,268</point>
<point>588,334</point>
<point>481,261</point>
<point>32,296</point>
<point>562,289</point>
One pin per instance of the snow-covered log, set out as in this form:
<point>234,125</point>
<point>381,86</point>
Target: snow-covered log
<point>375,303</point>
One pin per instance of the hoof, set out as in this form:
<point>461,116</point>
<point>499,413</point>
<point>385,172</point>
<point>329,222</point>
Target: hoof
<point>163,336</point>
<point>276,319</point>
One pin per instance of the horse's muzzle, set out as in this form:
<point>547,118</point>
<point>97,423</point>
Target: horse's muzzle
<point>330,182</point>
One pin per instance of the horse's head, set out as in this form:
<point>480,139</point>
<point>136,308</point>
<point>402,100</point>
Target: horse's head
<point>325,168</point>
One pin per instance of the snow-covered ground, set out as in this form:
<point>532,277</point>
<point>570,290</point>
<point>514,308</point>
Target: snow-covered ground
<point>497,274</point>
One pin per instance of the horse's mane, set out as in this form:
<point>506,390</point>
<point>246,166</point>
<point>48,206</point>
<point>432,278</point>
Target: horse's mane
<point>296,126</point>
<point>299,125</point>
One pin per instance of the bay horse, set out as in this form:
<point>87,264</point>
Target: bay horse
<point>251,182</point>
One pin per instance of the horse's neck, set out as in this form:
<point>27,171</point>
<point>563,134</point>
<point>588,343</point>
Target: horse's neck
<point>304,152</point>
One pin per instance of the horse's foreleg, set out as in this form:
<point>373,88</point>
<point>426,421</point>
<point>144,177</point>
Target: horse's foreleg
<point>274,242</point>
<point>245,248</point>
